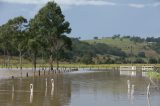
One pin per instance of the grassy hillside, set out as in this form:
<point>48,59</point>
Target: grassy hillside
<point>126,45</point>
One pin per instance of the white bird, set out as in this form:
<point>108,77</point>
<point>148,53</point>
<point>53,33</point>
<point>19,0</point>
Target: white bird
<point>52,90</point>
<point>52,81</point>
<point>31,93</point>
<point>31,88</point>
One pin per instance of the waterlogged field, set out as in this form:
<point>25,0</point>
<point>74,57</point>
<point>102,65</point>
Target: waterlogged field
<point>79,88</point>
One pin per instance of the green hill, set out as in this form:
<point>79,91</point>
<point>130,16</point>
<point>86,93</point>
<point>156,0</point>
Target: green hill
<point>127,45</point>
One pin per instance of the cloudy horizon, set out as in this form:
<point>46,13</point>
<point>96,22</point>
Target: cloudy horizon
<point>91,18</point>
<point>154,3</point>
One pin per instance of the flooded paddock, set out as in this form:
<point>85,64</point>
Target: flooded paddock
<point>80,88</point>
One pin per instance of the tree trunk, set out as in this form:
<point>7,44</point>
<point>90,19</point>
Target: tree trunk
<point>8,60</point>
<point>57,61</point>
<point>20,60</point>
<point>34,61</point>
<point>4,62</point>
<point>42,62</point>
<point>51,62</point>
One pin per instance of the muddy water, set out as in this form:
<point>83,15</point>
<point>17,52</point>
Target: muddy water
<point>83,88</point>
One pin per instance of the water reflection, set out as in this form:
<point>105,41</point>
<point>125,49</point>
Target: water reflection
<point>149,100</point>
<point>129,89</point>
<point>46,87</point>
<point>133,73</point>
<point>132,93</point>
<point>148,95</point>
<point>78,89</point>
<point>12,92</point>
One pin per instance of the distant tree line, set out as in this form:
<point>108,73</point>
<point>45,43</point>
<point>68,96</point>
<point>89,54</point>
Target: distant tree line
<point>136,38</point>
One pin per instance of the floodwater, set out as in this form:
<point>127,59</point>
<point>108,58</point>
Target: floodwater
<point>82,88</point>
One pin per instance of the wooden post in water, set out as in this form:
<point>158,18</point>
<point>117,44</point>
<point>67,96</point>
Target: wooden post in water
<point>70,68</point>
<point>44,72</point>
<point>48,71</point>
<point>27,74</point>
<point>39,72</point>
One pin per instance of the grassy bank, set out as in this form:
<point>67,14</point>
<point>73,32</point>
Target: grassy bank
<point>153,74</point>
<point>67,65</point>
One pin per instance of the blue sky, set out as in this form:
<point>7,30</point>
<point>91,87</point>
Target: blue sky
<point>91,18</point>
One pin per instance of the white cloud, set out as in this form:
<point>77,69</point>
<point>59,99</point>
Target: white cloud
<point>70,3</point>
<point>84,2</point>
<point>137,5</point>
<point>62,2</point>
<point>25,1</point>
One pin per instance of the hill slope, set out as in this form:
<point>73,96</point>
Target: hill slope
<point>126,45</point>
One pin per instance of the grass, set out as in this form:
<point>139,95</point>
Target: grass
<point>67,65</point>
<point>125,45</point>
<point>113,42</point>
<point>153,74</point>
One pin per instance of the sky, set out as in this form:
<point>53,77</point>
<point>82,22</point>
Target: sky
<point>90,18</point>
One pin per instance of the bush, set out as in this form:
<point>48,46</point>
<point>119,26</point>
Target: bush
<point>152,61</point>
<point>139,60</point>
<point>141,54</point>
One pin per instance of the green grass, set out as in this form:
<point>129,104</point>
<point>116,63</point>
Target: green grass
<point>125,45</point>
<point>153,74</point>
<point>113,42</point>
<point>67,65</point>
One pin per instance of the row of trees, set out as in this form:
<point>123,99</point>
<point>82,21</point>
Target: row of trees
<point>44,35</point>
<point>137,39</point>
<point>87,59</point>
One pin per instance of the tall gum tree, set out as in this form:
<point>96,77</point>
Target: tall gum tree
<point>19,36</point>
<point>50,24</point>
<point>33,42</point>
<point>11,36</point>
<point>5,42</point>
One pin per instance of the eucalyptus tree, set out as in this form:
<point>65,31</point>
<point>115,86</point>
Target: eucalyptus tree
<point>34,42</point>
<point>19,35</point>
<point>60,45</point>
<point>33,47</point>
<point>51,26</point>
<point>6,32</point>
